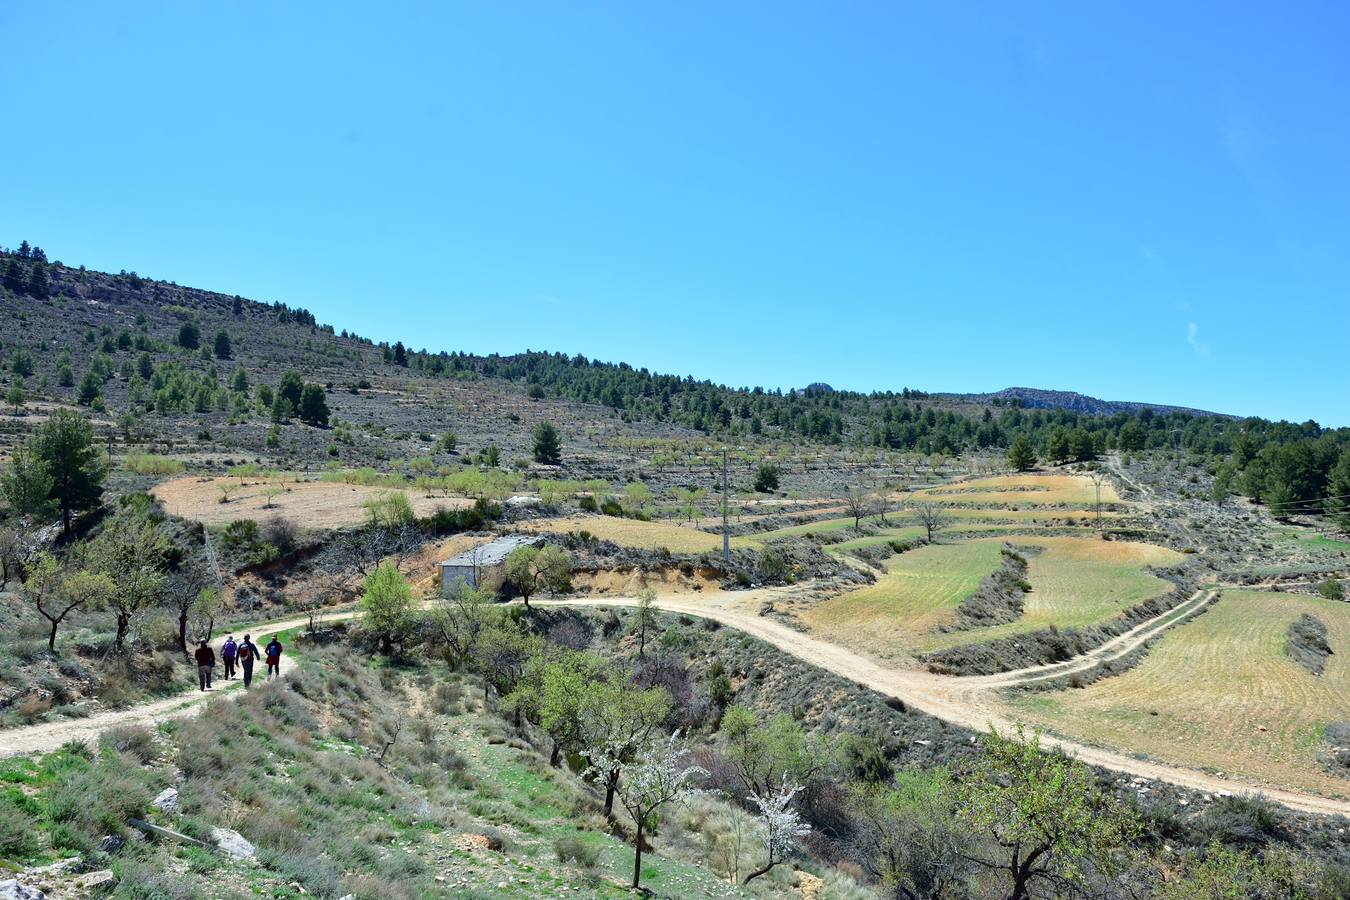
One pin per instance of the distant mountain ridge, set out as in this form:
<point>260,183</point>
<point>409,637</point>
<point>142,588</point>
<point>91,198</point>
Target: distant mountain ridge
<point>1039,398</point>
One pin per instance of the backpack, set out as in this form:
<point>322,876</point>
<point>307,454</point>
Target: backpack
<point>230,649</point>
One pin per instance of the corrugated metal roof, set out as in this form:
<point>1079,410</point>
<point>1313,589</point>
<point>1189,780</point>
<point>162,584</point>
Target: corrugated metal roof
<point>493,552</point>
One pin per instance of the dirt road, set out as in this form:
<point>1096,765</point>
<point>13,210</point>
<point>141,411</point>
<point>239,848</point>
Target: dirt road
<point>958,700</point>
<point>48,736</point>
<point>968,702</point>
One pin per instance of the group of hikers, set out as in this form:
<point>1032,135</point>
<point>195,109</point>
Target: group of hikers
<point>241,656</point>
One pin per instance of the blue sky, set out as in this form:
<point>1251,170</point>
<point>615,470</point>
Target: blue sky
<point>1126,199</point>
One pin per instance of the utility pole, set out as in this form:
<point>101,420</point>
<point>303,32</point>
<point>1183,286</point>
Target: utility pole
<point>726,525</point>
<point>1097,483</point>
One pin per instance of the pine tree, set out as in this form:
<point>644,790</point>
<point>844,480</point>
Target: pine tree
<point>1020,455</point>
<point>189,336</point>
<point>65,444</point>
<point>313,406</point>
<point>290,388</point>
<point>14,279</point>
<point>222,345</point>
<point>1338,489</point>
<point>39,285</point>
<point>90,388</point>
<point>547,444</point>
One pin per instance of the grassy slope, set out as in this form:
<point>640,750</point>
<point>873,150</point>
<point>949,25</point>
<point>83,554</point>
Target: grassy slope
<point>288,767</point>
<point>920,591</point>
<point>1204,693</point>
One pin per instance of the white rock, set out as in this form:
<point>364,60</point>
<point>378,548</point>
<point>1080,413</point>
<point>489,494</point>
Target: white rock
<point>166,800</point>
<point>11,889</point>
<point>232,843</point>
<point>100,881</point>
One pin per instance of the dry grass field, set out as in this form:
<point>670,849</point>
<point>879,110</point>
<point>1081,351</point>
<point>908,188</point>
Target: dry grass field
<point>1022,490</point>
<point>311,504</point>
<point>632,532</point>
<point>1220,693</point>
<point>919,592</point>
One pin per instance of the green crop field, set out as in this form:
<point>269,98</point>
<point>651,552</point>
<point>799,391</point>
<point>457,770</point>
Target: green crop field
<point>1220,693</point>
<point>919,592</point>
<point>1075,582</point>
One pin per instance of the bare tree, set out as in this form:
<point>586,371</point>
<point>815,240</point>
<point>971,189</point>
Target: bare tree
<point>860,501</point>
<point>183,590</point>
<point>459,620</point>
<point>15,550</point>
<point>932,516</point>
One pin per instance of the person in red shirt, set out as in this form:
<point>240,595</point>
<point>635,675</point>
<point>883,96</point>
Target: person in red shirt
<point>206,662</point>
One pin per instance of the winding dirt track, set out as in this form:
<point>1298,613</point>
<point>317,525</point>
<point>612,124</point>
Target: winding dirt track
<point>48,736</point>
<point>962,701</point>
<point>968,702</point>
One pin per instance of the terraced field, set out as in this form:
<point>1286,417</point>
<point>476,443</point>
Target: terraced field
<point>919,592</point>
<point>1220,693</point>
<point>311,504</point>
<point>633,533</point>
<point>1076,582</point>
<point>1022,490</point>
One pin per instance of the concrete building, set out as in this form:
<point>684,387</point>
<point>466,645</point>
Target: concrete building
<point>484,565</point>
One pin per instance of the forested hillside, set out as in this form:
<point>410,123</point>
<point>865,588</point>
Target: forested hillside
<point>153,348</point>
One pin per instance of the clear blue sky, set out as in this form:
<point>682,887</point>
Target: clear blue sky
<point>1126,199</point>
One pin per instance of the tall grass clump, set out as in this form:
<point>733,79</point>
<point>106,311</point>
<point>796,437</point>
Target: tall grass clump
<point>152,464</point>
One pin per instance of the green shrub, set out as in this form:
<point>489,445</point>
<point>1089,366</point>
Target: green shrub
<point>18,828</point>
<point>571,848</point>
<point>131,739</point>
<point>152,464</point>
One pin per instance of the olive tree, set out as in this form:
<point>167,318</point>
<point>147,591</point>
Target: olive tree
<point>1049,826</point>
<point>56,593</point>
<point>530,568</point>
<point>387,601</point>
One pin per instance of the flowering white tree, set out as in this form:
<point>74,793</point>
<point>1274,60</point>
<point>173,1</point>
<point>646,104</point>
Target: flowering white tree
<point>782,823</point>
<point>656,776</point>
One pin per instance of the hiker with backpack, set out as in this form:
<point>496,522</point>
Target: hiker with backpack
<point>206,662</point>
<point>227,653</point>
<point>273,655</point>
<point>247,655</point>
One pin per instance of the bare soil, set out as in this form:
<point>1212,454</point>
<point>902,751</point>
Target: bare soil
<point>310,504</point>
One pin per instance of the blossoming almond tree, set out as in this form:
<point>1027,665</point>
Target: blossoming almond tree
<point>656,777</point>
<point>783,825</point>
